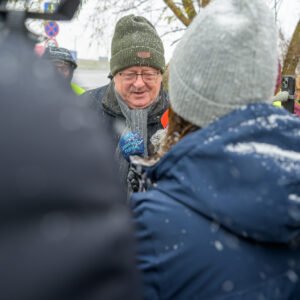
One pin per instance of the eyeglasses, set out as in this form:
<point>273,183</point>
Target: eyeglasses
<point>148,77</point>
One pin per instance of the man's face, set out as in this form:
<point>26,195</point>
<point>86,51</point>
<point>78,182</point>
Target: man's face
<point>64,68</point>
<point>138,91</point>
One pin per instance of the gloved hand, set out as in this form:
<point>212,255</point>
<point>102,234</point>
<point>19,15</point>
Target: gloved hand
<point>134,179</point>
<point>137,179</point>
<point>281,96</point>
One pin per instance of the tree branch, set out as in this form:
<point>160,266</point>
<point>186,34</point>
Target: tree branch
<point>189,9</point>
<point>204,3</point>
<point>293,55</point>
<point>172,31</point>
<point>177,12</point>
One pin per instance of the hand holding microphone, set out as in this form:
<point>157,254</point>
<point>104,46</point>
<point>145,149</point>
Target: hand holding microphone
<point>131,143</point>
<point>281,96</point>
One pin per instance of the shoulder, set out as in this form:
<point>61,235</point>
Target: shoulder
<point>164,95</point>
<point>78,90</point>
<point>97,93</point>
<point>95,97</point>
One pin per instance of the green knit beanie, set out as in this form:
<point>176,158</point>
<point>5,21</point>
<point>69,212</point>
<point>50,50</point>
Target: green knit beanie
<point>136,43</point>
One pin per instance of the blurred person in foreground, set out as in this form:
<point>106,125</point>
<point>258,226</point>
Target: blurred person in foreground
<point>65,232</point>
<point>222,217</point>
<point>134,101</point>
<point>65,64</point>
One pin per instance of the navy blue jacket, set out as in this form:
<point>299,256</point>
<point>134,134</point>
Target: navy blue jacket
<point>222,220</point>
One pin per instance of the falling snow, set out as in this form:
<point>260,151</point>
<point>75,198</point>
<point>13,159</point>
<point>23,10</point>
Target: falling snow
<point>294,198</point>
<point>218,245</point>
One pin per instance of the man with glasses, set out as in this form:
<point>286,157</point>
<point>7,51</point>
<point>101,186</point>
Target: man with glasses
<point>134,101</point>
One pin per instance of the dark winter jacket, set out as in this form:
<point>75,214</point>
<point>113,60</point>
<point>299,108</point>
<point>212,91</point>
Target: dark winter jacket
<point>65,232</point>
<point>222,220</point>
<point>104,101</point>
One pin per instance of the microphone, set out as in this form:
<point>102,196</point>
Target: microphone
<point>131,143</point>
<point>281,96</point>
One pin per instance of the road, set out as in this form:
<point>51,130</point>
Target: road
<point>90,79</point>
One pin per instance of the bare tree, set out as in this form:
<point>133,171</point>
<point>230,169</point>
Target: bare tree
<point>179,14</point>
<point>292,57</point>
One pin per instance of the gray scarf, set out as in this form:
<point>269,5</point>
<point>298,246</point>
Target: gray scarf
<point>136,121</point>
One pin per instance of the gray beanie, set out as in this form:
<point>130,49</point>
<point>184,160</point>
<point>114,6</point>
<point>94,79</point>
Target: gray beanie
<point>227,58</point>
<point>136,43</point>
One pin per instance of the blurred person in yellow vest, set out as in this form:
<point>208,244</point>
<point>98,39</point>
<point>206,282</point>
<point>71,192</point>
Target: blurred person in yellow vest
<point>283,96</point>
<point>65,64</point>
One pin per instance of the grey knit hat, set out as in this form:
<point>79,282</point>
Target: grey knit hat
<point>136,43</point>
<point>227,58</point>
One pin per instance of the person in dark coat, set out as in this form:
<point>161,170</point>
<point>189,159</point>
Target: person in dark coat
<point>221,219</point>
<point>135,100</point>
<point>65,232</point>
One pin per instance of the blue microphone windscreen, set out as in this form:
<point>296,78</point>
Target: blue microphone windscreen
<point>131,143</point>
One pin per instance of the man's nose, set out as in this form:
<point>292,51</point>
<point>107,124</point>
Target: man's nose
<point>139,80</point>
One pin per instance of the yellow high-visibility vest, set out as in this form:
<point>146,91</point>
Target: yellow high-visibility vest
<point>277,103</point>
<point>77,89</point>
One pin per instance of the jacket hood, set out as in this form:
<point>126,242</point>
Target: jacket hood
<point>242,171</point>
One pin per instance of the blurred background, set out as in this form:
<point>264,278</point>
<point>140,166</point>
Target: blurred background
<point>89,34</point>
